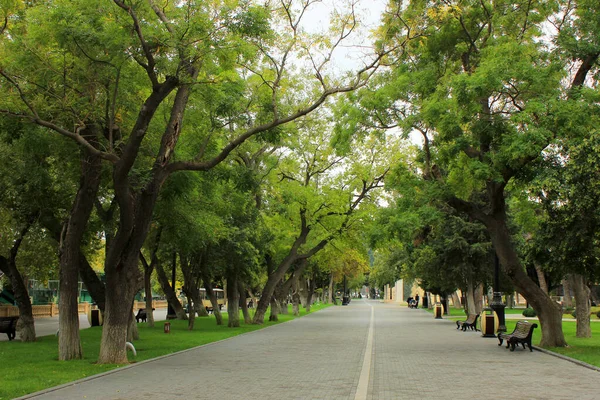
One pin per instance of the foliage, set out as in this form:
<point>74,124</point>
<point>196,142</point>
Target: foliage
<point>529,313</point>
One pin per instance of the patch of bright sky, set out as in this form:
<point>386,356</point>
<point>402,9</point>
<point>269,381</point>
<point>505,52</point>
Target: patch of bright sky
<point>357,49</point>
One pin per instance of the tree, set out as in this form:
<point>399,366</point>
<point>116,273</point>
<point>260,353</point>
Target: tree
<point>486,95</point>
<point>117,66</point>
<point>318,197</point>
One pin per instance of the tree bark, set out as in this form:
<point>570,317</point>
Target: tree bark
<point>233,301</point>
<point>548,311</point>
<point>309,294</point>
<point>172,299</point>
<point>456,300</point>
<point>330,294</point>
<point>242,294</point>
<point>582,308</point>
<point>567,301</point>
<point>541,277</point>
<point>273,316</point>
<point>116,316</point>
<point>471,302</point>
<point>213,299</point>
<point>26,323</point>
<point>69,343</point>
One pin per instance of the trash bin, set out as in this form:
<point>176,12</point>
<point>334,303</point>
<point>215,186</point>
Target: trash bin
<point>345,300</point>
<point>489,323</point>
<point>438,310</point>
<point>95,317</point>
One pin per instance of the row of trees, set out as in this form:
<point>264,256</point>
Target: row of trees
<point>266,178</point>
<point>504,96</point>
<point>246,181</point>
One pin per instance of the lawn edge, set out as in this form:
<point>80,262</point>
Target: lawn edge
<point>119,369</point>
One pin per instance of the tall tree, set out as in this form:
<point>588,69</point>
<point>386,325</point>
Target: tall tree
<point>118,65</point>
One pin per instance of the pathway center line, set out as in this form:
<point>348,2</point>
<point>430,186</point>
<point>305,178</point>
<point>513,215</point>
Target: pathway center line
<point>363,381</point>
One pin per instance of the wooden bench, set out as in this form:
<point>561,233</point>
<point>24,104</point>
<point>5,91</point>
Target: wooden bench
<point>522,334</point>
<point>8,325</point>
<point>471,322</point>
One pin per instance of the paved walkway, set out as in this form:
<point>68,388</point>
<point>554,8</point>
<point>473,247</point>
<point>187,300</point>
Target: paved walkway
<point>366,350</point>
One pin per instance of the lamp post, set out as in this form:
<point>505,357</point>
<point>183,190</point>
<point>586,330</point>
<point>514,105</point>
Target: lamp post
<point>496,304</point>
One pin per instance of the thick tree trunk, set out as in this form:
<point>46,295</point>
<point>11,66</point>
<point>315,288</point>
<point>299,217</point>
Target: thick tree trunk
<point>25,325</point>
<point>471,303</point>
<point>92,283</point>
<point>273,316</point>
<point>169,292</point>
<point>478,296</point>
<point>119,298</point>
<point>567,301</point>
<point>541,277</point>
<point>303,291</point>
<point>548,311</point>
<point>295,299</point>
<point>582,301</point>
<point>233,302</point>
<point>69,344</point>
<point>456,300</point>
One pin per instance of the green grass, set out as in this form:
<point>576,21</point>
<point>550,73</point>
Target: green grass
<point>583,349</point>
<point>30,367</point>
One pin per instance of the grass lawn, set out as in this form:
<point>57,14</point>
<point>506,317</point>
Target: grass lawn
<point>30,367</point>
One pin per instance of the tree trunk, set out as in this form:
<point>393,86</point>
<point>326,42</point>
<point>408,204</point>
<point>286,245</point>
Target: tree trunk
<point>276,277</point>
<point>119,298</point>
<point>132,330</point>
<point>233,302</point>
<point>213,300</point>
<point>273,316</point>
<point>169,292</point>
<point>478,296</point>
<point>25,325</point>
<point>309,294</point>
<point>242,294</point>
<point>148,290</point>
<point>541,277</point>
<point>295,299</point>
<point>303,291</point>
<point>192,314</point>
<point>456,300</point>
<point>471,302</point>
<point>330,294</point>
<point>91,281</point>
<point>582,308</point>
<point>69,344</point>
<point>548,311</point>
<point>567,301</point>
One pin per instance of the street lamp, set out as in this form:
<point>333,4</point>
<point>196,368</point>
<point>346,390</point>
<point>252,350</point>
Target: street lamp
<point>496,304</point>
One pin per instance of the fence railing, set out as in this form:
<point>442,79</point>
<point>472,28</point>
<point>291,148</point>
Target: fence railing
<point>51,310</point>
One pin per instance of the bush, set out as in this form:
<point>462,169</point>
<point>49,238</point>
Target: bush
<point>529,312</point>
<point>598,314</point>
<point>568,310</point>
<point>574,313</point>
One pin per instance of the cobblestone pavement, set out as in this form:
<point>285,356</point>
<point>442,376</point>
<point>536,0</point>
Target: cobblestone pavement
<point>321,356</point>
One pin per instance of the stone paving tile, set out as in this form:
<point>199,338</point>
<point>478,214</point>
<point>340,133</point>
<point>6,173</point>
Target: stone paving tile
<point>417,356</point>
<point>320,357</point>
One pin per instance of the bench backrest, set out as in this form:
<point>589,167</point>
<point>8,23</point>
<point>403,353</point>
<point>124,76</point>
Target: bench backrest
<point>7,322</point>
<point>524,328</point>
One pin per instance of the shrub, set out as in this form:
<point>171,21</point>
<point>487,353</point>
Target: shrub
<point>598,314</point>
<point>574,313</point>
<point>529,312</point>
<point>568,310</point>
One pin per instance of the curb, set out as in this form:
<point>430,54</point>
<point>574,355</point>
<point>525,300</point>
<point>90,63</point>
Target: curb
<point>567,358</point>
